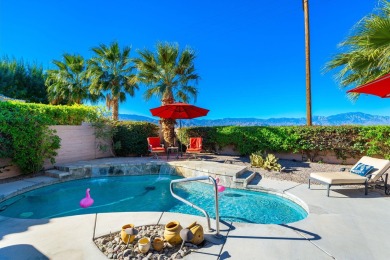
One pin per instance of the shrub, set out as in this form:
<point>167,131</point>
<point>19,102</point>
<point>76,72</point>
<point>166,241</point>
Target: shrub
<point>132,137</point>
<point>344,141</point>
<point>25,135</point>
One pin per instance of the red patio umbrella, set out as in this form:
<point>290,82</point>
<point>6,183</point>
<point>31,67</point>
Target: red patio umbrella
<point>379,87</point>
<point>179,111</point>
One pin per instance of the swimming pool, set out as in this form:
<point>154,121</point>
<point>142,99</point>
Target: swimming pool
<point>150,193</point>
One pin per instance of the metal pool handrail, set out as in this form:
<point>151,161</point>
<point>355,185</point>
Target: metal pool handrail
<point>196,207</point>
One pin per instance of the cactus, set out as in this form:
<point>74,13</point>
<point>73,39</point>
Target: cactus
<point>271,163</point>
<point>257,159</point>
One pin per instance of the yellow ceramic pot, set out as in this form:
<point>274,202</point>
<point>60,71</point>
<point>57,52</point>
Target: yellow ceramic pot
<point>172,233</point>
<point>197,230</point>
<point>144,245</point>
<point>125,237</point>
<point>158,243</point>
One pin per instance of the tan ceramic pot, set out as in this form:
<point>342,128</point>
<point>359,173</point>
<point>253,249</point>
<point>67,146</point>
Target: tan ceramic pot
<point>144,245</point>
<point>125,237</point>
<point>172,233</point>
<point>158,243</point>
<point>197,230</point>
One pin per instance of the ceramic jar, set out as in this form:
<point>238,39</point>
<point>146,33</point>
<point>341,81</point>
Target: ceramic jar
<point>158,243</point>
<point>197,230</point>
<point>172,233</point>
<point>144,245</point>
<point>125,237</point>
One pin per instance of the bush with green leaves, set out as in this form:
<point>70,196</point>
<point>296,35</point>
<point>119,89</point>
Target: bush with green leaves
<point>344,141</point>
<point>25,136</point>
<point>131,137</point>
<point>21,80</point>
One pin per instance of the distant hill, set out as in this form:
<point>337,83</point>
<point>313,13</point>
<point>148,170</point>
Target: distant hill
<point>353,118</point>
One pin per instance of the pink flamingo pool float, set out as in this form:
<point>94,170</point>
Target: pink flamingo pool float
<point>220,188</point>
<point>87,201</point>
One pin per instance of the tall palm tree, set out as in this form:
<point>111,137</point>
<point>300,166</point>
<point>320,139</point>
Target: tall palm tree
<point>67,83</point>
<point>111,73</point>
<point>170,75</point>
<point>365,53</point>
<point>307,53</point>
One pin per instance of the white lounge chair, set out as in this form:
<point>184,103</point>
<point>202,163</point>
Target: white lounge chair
<point>374,177</point>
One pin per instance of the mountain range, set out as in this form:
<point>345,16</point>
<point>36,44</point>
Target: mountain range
<point>352,118</point>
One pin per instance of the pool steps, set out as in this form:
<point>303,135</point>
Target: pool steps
<point>57,174</point>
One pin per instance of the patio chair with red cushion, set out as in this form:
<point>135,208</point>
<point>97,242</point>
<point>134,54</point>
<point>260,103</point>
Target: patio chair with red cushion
<point>155,146</point>
<point>195,146</point>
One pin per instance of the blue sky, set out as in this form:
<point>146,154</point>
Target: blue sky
<point>250,54</point>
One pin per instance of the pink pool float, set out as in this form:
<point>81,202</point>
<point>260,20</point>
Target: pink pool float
<point>220,188</point>
<point>87,201</point>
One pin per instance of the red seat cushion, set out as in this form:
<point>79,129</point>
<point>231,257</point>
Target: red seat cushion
<point>154,142</point>
<point>191,150</point>
<point>195,145</point>
<point>158,149</point>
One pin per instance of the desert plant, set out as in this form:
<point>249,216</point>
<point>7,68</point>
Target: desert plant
<point>271,163</point>
<point>257,159</point>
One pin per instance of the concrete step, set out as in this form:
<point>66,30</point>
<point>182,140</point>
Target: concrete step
<point>57,174</point>
<point>255,180</point>
<point>242,176</point>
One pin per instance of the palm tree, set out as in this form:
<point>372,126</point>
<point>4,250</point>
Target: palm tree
<point>170,75</point>
<point>308,73</point>
<point>366,52</point>
<point>67,84</point>
<point>110,72</point>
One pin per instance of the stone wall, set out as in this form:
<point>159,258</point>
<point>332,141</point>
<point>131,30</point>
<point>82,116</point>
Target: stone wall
<point>77,143</point>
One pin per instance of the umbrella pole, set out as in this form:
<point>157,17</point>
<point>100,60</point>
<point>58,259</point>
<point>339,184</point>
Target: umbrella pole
<point>181,153</point>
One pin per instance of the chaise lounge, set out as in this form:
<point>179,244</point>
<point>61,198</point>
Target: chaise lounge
<point>367,171</point>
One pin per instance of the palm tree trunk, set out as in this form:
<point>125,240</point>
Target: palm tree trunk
<point>115,108</point>
<point>307,52</point>
<point>168,129</point>
<point>168,125</point>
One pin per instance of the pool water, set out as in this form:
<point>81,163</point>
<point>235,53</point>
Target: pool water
<point>150,193</point>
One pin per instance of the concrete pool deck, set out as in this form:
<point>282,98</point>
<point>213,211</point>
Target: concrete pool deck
<point>346,225</point>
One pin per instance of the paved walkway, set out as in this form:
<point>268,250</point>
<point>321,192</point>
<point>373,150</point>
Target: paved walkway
<point>346,225</point>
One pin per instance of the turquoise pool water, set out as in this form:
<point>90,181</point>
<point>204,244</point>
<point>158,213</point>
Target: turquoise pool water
<point>150,193</point>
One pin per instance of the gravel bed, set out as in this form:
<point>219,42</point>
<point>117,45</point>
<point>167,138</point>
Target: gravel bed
<point>113,247</point>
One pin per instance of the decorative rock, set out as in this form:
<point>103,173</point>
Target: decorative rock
<point>116,248</point>
<point>110,255</point>
<point>115,256</point>
<point>127,252</point>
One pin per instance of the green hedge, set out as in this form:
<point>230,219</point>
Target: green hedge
<point>55,115</point>
<point>132,137</point>
<point>25,135</point>
<point>345,141</point>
